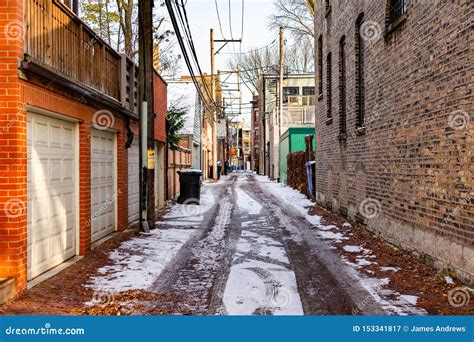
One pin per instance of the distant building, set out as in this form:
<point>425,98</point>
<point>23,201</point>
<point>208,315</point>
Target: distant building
<point>245,145</point>
<point>202,124</point>
<point>255,135</point>
<point>298,110</point>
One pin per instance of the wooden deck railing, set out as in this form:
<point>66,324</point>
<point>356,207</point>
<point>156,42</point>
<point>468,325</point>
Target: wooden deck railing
<point>58,39</point>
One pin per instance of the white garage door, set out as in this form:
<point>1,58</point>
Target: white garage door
<point>51,192</point>
<point>104,196</point>
<point>160,175</point>
<point>134,182</point>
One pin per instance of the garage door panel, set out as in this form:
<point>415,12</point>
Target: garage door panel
<point>51,192</point>
<point>134,182</point>
<point>103,184</point>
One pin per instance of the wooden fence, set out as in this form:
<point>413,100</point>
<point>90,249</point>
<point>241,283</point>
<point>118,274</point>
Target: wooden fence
<point>178,160</point>
<point>56,38</point>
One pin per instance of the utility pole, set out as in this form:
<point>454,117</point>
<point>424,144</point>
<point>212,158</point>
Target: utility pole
<point>214,109</point>
<point>145,91</point>
<point>213,91</point>
<point>280,98</point>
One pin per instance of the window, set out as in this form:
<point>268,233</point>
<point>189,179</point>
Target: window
<point>308,91</point>
<point>397,8</point>
<point>329,86</point>
<point>342,86</point>
<point>360,73</point>
<point>320,66</point>
<point>289,91</point>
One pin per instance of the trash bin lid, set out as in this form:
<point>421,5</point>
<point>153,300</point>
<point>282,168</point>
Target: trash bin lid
<point>190,172</point>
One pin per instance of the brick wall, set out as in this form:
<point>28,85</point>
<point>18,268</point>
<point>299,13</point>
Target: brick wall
<point>161,107</point>
<point>16,96</point>
<point>409,175</point>
<point>13,199</point>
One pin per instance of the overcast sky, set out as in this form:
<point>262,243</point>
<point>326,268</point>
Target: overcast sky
<point>202,16</point>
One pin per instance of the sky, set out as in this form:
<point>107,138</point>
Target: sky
<point>202,15</point>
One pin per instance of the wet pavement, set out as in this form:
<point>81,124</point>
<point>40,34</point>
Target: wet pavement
<point>249,248</point>
<point>250,256</point>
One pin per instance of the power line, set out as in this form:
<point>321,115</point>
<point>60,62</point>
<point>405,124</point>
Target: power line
<point>184,51</point>
<point>250,51</point>
<point>243,18</point>
<point>219,18</point>
<point>230,20</point>
<point>185,23</point>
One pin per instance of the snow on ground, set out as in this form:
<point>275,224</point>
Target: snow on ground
<point>256,286</point>
<point>336,237</point>
<point>260,280</point>
<point>247,203</point>
<point>402,305</point>
<point>287,195</point>
<point>253,287</point>
<point>353,249</point>
<point>138,262</point>
<point>191,212</point>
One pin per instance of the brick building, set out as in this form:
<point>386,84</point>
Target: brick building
<point>68,104</point>
<point>255,135</point>
<point>394,141</point>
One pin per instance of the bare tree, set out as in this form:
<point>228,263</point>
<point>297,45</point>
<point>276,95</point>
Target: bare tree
<point>296,16</point>
<point>118,21</point>
<point>253,63</point>
<point>298,59</point>
<point>126,10</point>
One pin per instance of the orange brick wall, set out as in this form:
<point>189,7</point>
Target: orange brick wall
<point>13,146</point>
<point>161,107</point>
<point>161,110</point>
<point>16,95</point>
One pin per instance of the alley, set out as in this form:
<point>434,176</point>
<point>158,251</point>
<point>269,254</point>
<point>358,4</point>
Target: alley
<point>240,254</point>
<point>252,247</point>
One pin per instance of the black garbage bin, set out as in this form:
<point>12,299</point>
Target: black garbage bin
<point>190,186</point>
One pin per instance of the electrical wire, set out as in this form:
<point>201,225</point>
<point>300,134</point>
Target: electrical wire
<point>243,19</point>
<point>188,35</point>
<point>219,19</point>
<point>184,51</point>
<point>230,20</point>
<point>250,51</point>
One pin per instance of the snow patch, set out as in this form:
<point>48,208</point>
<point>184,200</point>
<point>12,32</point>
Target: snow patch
<point>337,237</point>
<point>247,203</point>
<point>255,287</point>
<point>137,263</point>
<point>353,249</point>
<point>410,299</point>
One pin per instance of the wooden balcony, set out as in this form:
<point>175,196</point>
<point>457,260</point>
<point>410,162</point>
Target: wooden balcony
<point>58,42</point>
